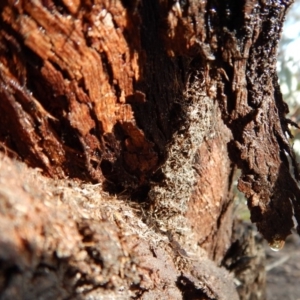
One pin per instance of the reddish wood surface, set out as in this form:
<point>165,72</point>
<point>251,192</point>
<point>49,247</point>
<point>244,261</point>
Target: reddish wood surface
<point>155,101</point>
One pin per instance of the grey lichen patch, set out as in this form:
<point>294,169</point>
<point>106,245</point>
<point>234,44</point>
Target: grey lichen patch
<point>171,198</point>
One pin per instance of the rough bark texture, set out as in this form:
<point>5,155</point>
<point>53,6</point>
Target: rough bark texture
<point>143,99</point>
<point>65,240</point>
<point>255,111</point>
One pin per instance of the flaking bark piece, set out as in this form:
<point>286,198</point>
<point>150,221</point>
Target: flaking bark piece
<point>266,180</point>
<point>254,110</point>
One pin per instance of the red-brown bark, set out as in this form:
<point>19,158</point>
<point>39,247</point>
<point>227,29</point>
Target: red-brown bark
<point>142,98</point>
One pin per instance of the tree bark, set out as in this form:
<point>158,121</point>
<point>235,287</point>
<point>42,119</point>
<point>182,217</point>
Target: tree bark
<point>152,104</point>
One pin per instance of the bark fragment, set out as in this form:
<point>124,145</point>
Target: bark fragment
<point>254,110</point>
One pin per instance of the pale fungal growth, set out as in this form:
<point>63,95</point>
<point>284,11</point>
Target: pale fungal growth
<point>171,198</point>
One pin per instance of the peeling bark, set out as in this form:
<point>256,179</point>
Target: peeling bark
<point>254,110</point>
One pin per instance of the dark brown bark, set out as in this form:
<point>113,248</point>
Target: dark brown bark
<point>143,98</point>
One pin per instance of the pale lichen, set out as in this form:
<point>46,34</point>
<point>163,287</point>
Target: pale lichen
<point>171,198</point>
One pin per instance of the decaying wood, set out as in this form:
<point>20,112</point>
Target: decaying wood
<point>143,99</point>
<point>61,239</point>
<point>255,112</point>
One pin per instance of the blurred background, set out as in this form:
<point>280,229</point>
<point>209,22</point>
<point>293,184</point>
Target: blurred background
<point>288,67</point>
<point>283,267</point>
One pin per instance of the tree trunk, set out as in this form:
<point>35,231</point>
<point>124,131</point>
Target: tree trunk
<point>138,113</point>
